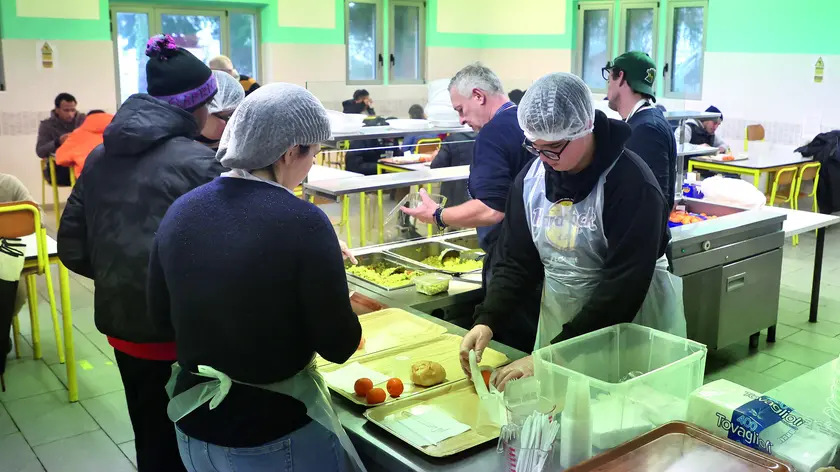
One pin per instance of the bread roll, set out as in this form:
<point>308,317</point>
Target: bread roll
<point>427,373</point>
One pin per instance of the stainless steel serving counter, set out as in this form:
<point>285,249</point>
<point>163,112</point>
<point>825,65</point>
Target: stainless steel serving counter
<point>380,450</point>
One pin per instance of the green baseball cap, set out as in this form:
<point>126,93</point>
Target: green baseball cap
<point>639,71</point>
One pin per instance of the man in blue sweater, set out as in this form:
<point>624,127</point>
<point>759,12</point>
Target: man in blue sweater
<point>630,80</point>
<point>498,156</point>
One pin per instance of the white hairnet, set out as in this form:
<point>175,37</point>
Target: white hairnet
<point>268,123</point>
<point>557,107</point>
<point>229,96</point>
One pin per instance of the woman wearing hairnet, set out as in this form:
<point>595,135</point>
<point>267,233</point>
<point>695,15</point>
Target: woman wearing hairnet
<point>229,96</point>
<point>250,279</point>
<point>589,219</point>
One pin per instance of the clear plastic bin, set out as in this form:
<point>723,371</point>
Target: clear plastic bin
<point>639,378</point>
<point>432,283</point>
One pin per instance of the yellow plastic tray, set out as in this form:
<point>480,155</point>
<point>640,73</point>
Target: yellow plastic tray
<point>397,363</point>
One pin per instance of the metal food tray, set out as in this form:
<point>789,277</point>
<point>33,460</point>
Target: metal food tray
<point>396,362</point>
<point>467,242</point>
<point>415,253</point>
<point>386,259</point>
<point>457,400</point>
<point>665,447</point>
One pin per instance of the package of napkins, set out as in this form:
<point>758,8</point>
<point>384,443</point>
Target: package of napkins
<point>731,411</point>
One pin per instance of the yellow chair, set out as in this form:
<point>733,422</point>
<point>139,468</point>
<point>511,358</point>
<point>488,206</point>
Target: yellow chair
<point>50,163</point>
<point>427,146</point>
<point>332,159</point>
<point>807,173</point>
<point>18,219</point>
<point>753,133</point>
<point>785,176</point>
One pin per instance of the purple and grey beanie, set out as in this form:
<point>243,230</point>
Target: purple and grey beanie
<point>176,76</point>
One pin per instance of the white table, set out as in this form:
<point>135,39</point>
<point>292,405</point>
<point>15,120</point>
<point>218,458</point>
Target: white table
<point>799,222</point>
<point>318,172</point>
<point>32,247</point>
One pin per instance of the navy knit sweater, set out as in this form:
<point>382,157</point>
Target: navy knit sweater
<point>251,280</point>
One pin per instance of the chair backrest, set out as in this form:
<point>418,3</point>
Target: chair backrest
<point>810,171</point>
<point>786,176</point>
<point>333,158</point>
<point>18,219</point>
<point>427,146</point>
<point>755,133</point>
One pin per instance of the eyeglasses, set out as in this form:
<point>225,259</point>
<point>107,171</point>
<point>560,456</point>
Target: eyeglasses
<point>550,155</point>
<point>606,71</point>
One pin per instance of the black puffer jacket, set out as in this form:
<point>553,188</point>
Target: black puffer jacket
<point>147,160</point>
<point>825,149</point>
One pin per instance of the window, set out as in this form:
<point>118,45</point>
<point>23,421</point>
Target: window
<point>405,47</point>
<point>407,40</point>
<point>686,44</point>
<point>639,27</point>
<point>594,41</point>
<point>205,33</point>
<point>364,49</point>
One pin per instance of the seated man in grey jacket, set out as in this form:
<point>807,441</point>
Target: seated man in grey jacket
<point>54,131</point>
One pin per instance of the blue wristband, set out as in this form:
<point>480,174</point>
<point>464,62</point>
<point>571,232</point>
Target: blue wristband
<point>439,218</point>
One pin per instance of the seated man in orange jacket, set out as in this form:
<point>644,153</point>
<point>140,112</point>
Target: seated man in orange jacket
<point>82,140</point>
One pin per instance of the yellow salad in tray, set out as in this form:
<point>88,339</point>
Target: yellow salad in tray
<point>383,275</point>
<point>453,264</point>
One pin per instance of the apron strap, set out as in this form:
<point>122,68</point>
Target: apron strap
<point>307,386</point>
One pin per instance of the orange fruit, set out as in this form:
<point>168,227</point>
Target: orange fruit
<point>375,395</point>
<point>486,375</point>
<point>361,343</point>
<point>363,386</point>
<point>395,387</point>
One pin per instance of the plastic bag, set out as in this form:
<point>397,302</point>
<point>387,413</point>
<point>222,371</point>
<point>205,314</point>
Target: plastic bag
<point>735,192</point>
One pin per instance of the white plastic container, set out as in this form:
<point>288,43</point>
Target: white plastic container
<point>432,283</point>
<point>576,424</point>
<point>639,378</point>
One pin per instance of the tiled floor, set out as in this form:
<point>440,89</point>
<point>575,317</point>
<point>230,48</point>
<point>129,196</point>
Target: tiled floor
<point>40,430</point>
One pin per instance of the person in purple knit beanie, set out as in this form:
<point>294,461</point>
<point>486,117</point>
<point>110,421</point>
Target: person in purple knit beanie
<point>148,158</point>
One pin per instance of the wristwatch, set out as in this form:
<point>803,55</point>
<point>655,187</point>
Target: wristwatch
<point>439,218</point>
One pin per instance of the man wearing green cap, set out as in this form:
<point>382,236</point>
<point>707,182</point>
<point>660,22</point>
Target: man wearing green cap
<point>630,79</point>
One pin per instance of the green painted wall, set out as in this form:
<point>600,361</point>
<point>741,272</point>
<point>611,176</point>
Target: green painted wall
<point>503,41</point>
<point>14,27</point>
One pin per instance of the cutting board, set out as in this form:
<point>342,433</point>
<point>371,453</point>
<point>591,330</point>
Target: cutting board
<point>391,328</point>
<point>397,363</point>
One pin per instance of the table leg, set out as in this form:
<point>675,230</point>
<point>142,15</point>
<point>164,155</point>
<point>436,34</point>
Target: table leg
<point>34,321</point>
<point>429,227</point>
<point>754,340</point>
<point>815,284</point>
<point>345,217</point>
<point>381,213</point>
<point>379,209</point>
<point>756,179</point>
<point>363,219</point>
<point>771,334</point>
<point>67,318</point>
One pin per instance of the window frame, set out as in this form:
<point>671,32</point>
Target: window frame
<point>392,33</point>
<point>154,12</point>
<point>638,5</point>
<point>669,48</point>
<point>583,7</point>
<point>380,51</point>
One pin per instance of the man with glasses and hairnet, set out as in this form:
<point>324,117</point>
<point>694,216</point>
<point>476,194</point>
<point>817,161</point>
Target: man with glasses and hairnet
<point>479,98</point>
<point>588,219</point>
